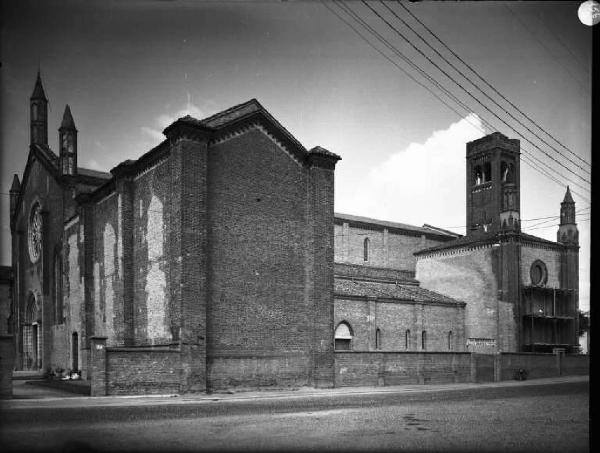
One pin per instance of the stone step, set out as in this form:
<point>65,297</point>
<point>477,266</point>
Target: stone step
<point>27,375</point>
<point>74,386</point>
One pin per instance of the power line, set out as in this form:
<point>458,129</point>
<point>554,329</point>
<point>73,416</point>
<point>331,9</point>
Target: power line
<point>380,38</point>
<point>465,90</point>
<point>554,226</point>
<point>528,29</point>
<point>386,43</point>
<point>392,61</point>
<point>488,84</point>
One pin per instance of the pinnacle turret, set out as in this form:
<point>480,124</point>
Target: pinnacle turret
<point>38,90</point>
<point>67,121</point>
<point>568,198</point>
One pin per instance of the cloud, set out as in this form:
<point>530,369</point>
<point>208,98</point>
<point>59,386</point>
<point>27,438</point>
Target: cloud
<point>164,119</point>
<point>93,164</point>
<point>152,133</point>
<point>423,183</point>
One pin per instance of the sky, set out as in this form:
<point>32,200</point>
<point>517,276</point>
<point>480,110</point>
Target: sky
<point>129,68</point>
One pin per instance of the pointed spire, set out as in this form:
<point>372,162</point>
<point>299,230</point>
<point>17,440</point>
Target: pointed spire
<point>16,185</point>
<point>38,90</point>
<point>568,197</point>
<point>67,121</point>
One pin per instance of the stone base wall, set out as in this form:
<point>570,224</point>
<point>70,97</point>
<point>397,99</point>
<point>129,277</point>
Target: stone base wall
<point>397,368</point>
<point>137,371</point>
<point>253,371</point>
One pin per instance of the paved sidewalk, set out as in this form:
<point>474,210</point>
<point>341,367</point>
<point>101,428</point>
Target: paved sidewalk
<point>305,392</point>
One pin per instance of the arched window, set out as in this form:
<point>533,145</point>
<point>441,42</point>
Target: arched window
<point>343,337</point>
<point>366,249</point>
<point>378,339</point>
<point>487,172</point>
<point>407,340</point>
<point>32,341</point>
<point>58,300</point>
<point>477,175</point>
<point>424,340</point>
<point>450,341</point>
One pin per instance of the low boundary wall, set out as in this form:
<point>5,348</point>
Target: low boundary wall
<point>397,368</point>
<point>135,370</point>
<point>146,370</point>
<point>379,368</point>
<point>257,370</point>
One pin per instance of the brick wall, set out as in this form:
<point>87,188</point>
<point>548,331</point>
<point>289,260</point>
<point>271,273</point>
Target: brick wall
<point>107,268</point>
<point>483,367</point>
<point>536,365</point>
<point>397,368</point>
<point>73,292</point>
<point>467,276</point>
<point>387,248</point>
<point>152,227</point>
<point>131,371</point>
<point>375,273</point>
<point>7,364</point>
<point>551,258</point>
<point>575,364</point>
<point>264,370</point>
<point>257,248</point>
<point>395,318</point>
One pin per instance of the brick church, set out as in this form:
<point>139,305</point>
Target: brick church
<point>215,260</point>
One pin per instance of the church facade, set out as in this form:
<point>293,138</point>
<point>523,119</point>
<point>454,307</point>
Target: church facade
<point>216,260</point>
<point>216,246</point>
<point>521,291</point>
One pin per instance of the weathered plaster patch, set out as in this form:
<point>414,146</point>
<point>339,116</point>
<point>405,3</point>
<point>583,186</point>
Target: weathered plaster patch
<point>75,287</point>
<point>155,279</point>
<point>109,270</point>
<point>119,235</point>
<point>97,299</point>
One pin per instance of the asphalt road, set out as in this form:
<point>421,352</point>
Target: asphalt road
<point>530,418</point>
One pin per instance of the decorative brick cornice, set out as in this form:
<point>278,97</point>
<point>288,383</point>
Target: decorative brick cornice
<point>340,297</point>
<point>455,251</point>
<point>188,128</point>
<point>322,158</point>
<point>491,141</point>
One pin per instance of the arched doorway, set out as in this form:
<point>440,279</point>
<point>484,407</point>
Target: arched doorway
<point>75,351</point>
<point>32,335</point>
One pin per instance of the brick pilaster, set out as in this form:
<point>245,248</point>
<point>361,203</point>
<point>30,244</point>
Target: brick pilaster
<point>188,246</point>
<point>97,367</point>
<point>86,217</point>
<point>125,194</point>
<point>321,166</point>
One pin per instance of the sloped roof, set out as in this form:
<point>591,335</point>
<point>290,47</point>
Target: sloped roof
<point>395,225</point>
<point>568,197</point>
<point>38,89</point>
<point>360,288</point>
<point>481,238</point>
<point>67,121</point>
<point>93,173</point>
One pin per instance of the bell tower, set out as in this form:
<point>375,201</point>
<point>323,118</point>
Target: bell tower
<point>493,184</point>
<point>67,134</point>
<point>567,230</point>
<point>38,114</point>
